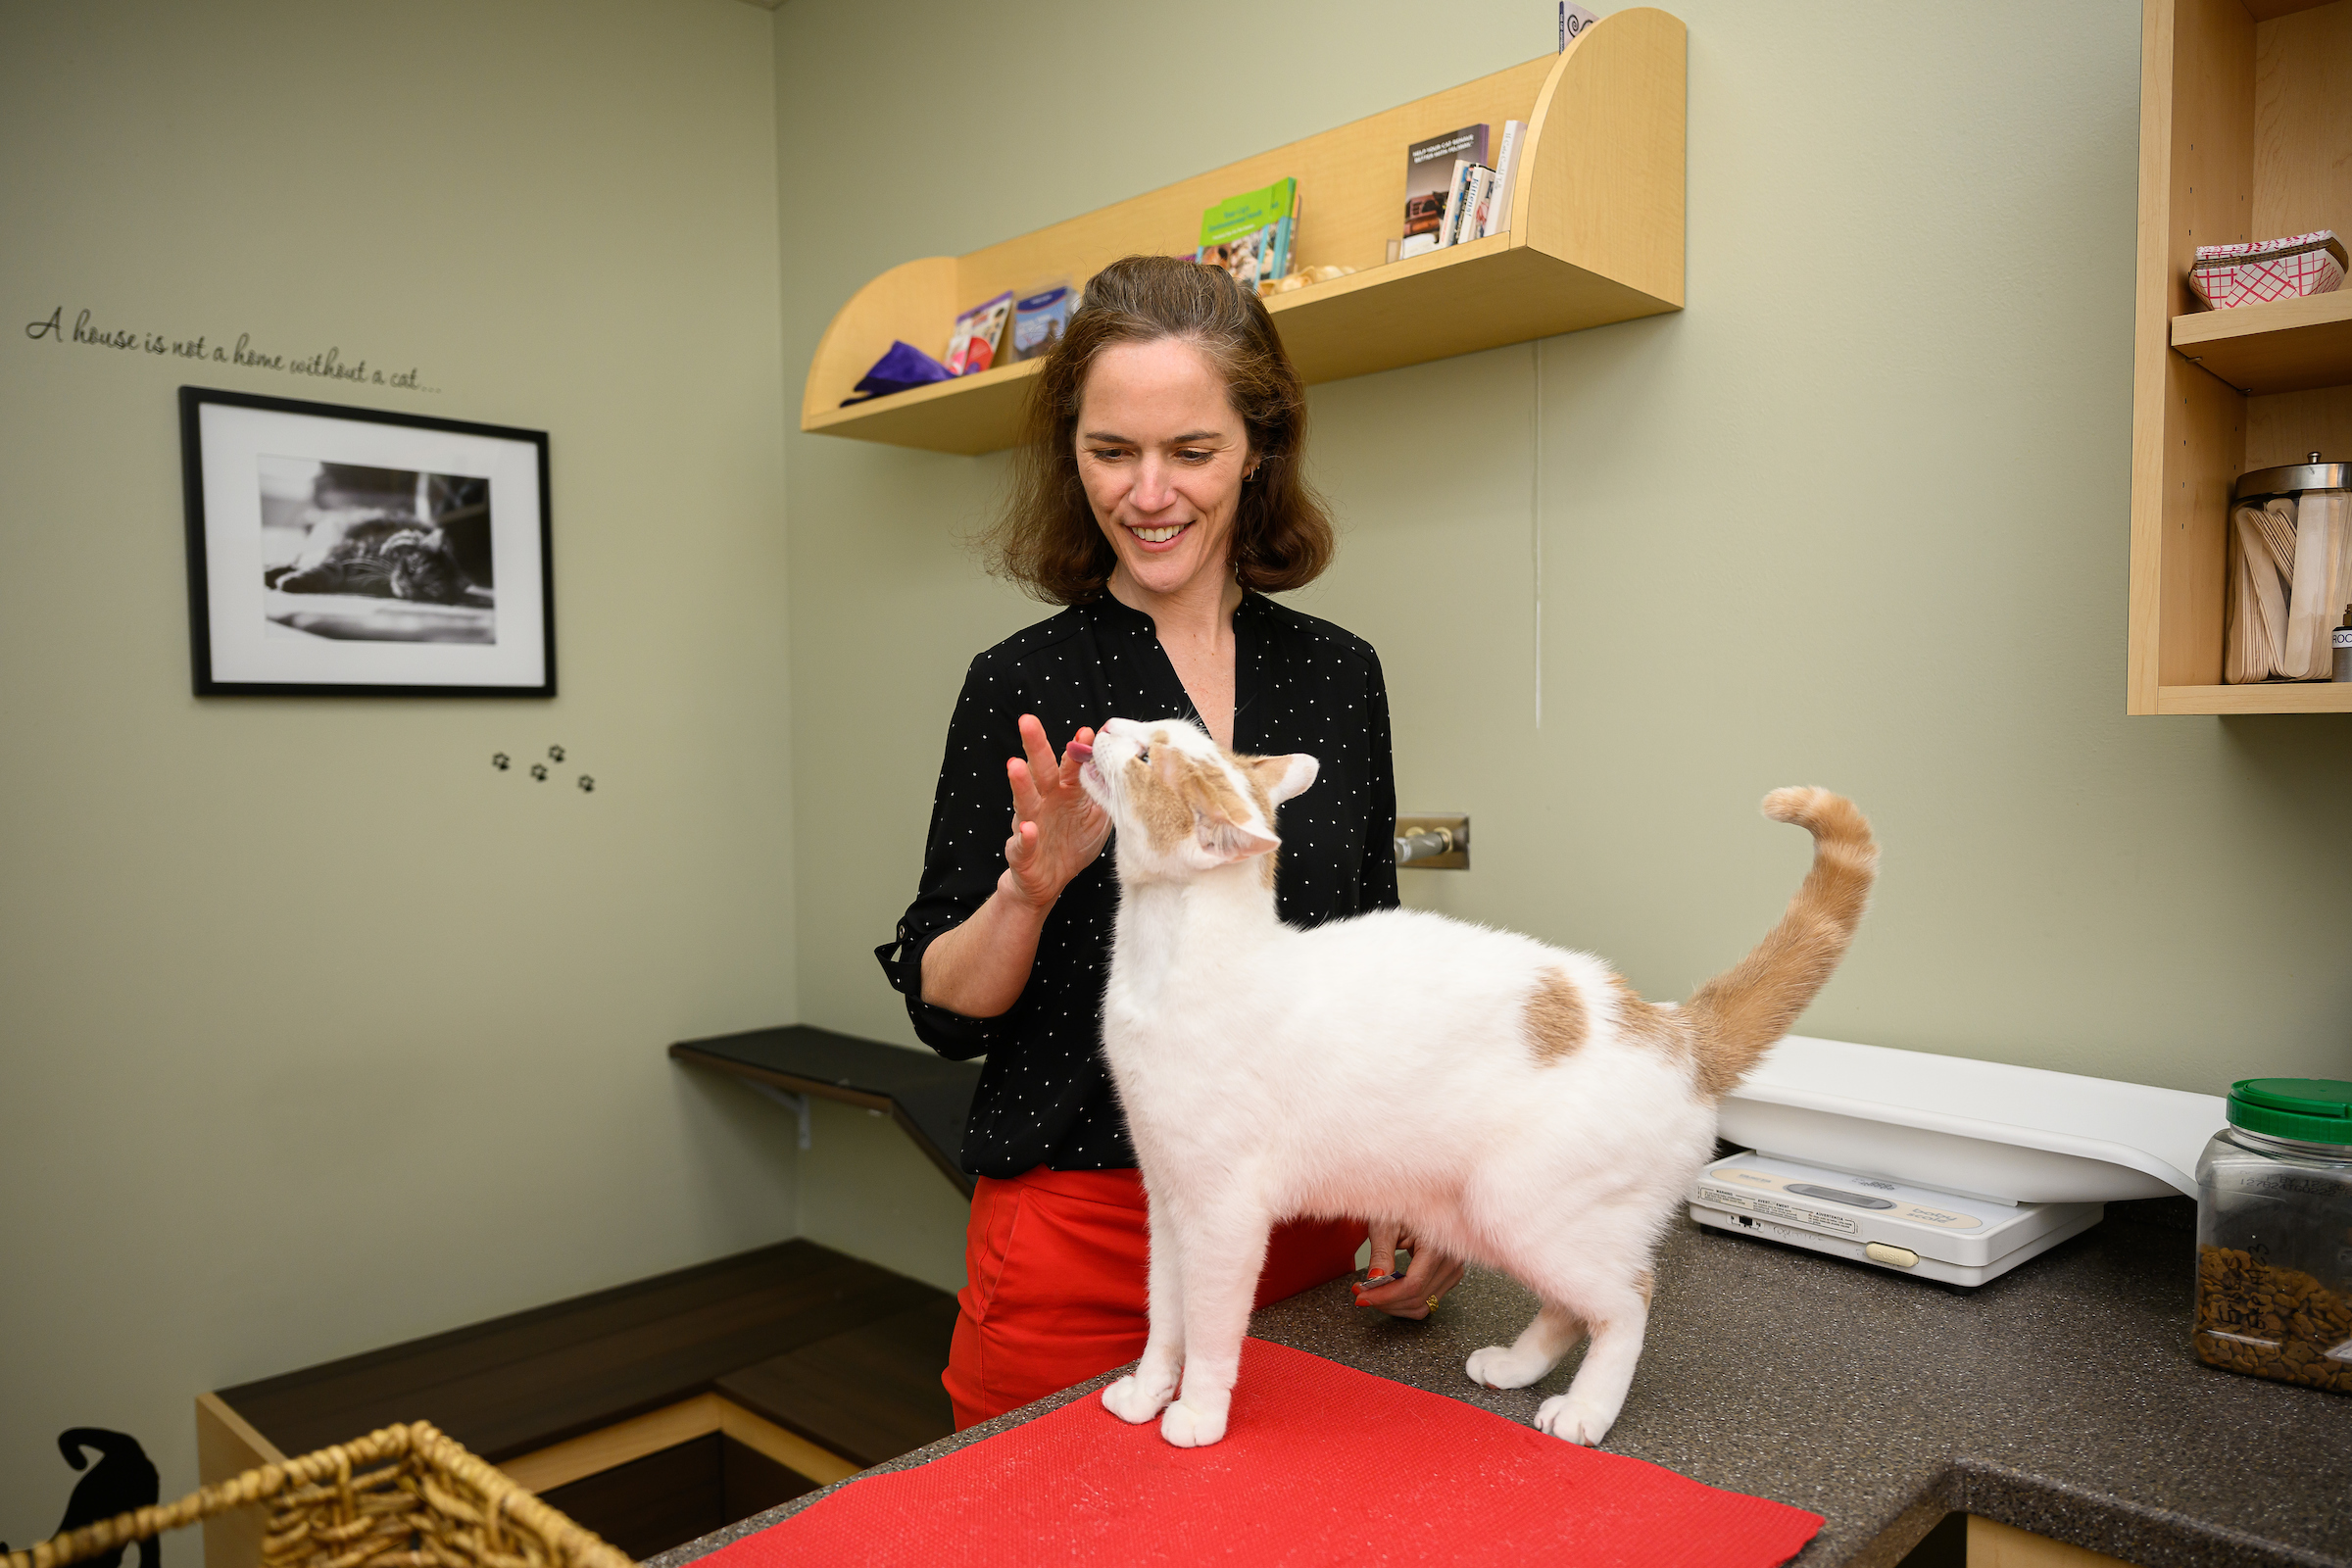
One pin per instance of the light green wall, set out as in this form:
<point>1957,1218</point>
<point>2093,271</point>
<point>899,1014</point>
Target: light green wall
<point>866,1189</point>
<point>316,1033</point>
<point>1856,517</point>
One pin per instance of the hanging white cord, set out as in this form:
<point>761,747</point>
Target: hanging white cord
<point>1534,512</point>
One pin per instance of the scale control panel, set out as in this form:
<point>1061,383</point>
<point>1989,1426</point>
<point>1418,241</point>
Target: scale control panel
<point>1916,1230</point>
<point>1810,1201</point>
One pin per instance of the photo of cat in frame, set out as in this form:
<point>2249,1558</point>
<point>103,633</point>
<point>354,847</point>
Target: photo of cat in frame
<point>364,552</point>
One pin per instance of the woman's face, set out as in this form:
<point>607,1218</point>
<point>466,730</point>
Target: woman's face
<point>1162,454</point>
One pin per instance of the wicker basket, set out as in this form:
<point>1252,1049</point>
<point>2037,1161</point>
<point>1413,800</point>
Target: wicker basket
<point>406,1496</point>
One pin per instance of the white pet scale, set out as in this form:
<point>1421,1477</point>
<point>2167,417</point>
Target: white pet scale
<point>1940,1166</point>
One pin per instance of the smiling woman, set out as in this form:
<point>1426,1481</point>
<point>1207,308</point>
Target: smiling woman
<point>1160,498</point>
<point>1179,338</point>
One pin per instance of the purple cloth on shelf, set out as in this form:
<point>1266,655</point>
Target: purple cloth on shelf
<point>905,365</point>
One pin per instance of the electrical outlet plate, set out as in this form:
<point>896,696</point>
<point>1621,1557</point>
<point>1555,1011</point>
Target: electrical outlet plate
<point>1459,860</point>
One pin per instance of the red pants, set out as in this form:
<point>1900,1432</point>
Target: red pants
<point>1057,1263</point>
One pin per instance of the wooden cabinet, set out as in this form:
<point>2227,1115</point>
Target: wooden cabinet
<point>2245,133</point>
<point>1596,236</point>
<point>1992,1544</point>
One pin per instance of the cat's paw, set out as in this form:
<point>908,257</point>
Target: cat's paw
<point>1501,1366</point>
<point>1187,1428</point>
<point>1564,1417</point>
<point>1131,1402</point>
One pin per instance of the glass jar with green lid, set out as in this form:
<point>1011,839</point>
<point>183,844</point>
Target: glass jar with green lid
<point>2275,1233</point>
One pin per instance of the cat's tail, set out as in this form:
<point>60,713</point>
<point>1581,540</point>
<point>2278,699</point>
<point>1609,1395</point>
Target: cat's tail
<point>1736,1016</point>
<point>110,1446</point>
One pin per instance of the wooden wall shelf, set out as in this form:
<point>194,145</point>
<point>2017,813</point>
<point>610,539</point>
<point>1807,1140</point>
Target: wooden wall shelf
<point>2245,133</point>
<point>1596,236</point>
<point>2284,346</point>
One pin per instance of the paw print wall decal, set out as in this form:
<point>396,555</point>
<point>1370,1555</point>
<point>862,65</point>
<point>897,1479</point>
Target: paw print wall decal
<point>542,771</point>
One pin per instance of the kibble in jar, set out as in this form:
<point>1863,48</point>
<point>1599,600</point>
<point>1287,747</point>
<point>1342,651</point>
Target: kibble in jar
<point>2272,1322</point>
<point>2275,1233</point>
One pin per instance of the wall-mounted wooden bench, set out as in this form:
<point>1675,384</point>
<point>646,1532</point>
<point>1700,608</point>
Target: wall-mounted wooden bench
<point>652,1412</point>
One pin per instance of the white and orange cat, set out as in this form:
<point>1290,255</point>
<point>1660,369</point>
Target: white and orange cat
<point>1510,1103</point>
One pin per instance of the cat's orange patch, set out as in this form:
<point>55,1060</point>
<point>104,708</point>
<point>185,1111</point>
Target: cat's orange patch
<point>1175,789</point>
<point>1209,788</point>
<point>1555,1018</point>
<point>1167,819</point>
<point>1645,1281</point>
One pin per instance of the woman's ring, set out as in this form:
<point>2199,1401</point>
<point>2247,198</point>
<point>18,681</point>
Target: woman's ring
<point>1433,1304</point>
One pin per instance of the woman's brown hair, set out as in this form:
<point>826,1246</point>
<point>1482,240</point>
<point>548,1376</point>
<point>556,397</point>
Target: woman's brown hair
<point>1048,541</point>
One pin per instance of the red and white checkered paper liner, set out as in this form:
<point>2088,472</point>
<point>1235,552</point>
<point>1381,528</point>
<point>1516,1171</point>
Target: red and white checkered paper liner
<point>2231,275</point>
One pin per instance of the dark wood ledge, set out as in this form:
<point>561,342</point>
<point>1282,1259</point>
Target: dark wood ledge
<point>929,1097</point>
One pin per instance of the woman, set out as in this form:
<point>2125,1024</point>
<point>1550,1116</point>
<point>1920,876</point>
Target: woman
<point>1159,496</point>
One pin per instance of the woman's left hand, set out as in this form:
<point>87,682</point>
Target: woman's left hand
<point>1424,1284</point>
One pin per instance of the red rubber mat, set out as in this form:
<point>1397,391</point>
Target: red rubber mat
<point>1320,1464</point>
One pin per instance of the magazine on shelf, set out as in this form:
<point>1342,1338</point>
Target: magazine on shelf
<point>1429,167</point>
<point>972,348</point>
<point>1250,236</point>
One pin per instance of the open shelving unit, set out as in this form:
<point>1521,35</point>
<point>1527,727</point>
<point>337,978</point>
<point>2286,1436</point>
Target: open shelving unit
<point>1596,236</point>
<point>2245,133</point>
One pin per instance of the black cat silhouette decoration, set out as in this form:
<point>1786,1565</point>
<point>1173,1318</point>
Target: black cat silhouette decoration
<point>124,1479</point>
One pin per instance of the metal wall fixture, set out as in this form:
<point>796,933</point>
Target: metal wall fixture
<point>1434,843</point>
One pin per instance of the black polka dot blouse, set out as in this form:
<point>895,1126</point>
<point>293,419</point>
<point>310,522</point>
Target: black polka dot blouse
<point>1299,685</point>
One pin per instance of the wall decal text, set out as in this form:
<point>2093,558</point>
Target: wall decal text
<point>325,364</point>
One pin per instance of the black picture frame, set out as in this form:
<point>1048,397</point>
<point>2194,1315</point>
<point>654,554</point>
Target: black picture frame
<point>393,604</point>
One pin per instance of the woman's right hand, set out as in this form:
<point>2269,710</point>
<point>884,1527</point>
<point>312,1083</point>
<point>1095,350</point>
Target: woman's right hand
<point>1058,829</point>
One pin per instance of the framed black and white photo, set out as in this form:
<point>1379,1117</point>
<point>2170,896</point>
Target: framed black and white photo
<point>354,551</point>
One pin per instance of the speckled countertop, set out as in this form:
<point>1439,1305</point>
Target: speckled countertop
<point>2061,1398</point>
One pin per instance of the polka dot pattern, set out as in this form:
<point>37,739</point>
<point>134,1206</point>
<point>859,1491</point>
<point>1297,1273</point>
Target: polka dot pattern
<point>1299,685</point>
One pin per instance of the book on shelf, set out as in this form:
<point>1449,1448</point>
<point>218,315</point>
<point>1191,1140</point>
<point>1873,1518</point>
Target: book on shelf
<point>1466,203</point>
<point>1450,216</point>
<point>1574,20</point>
<point>1478,193</point>
<point>1250,236</point>
<point>1428,176</point>
<point>1507,174</point>
<point>973,347</point>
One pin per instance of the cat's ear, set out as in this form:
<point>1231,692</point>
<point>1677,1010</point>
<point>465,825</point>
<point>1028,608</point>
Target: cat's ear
<point>1282,777</point>
<point>1222,841</point>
